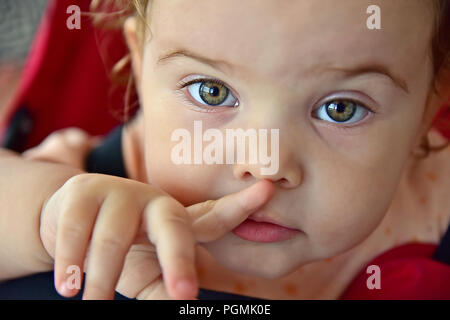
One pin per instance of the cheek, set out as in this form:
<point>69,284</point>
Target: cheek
<point>354,191</point>
<point>189,184</point>
<point>351,202</point>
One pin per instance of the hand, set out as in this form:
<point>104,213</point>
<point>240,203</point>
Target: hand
<point>67,146</point>
<point>132,236</point>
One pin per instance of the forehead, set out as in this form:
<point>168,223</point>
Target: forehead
<point>270,36</point>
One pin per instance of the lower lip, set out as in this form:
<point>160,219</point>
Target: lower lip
<point>263,231</point>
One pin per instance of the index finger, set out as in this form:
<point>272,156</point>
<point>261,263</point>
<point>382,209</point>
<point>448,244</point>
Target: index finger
<point>170,231</point>
<point>214,218</point>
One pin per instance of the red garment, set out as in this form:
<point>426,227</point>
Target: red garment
<point>66,80</point>
<point>406,272</point>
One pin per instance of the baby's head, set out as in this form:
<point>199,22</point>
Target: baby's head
<point>351,104</point>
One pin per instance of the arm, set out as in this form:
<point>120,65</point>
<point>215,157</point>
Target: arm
<point>24,187</point>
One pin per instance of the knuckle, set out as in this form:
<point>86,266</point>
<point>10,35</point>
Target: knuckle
<point>176,218</point>
<point>86,182</point>
<point>220,228</point>
<point>78,180</point>
<point>167,208</point>
<point>71,230</point>
<point>208,205</point>
<point>110,243</point>
<point>184,259</point>
<point>164,201</point>
<point>223,222</point>
<point>180,225</point>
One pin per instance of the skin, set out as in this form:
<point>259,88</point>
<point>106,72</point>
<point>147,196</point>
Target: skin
<point>335,185</point>
<point>343,188</point>
<point>82,224</point>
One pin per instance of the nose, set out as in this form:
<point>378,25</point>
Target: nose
<point>288,176</point>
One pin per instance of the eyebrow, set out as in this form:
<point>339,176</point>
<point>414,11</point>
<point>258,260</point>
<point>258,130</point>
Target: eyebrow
<point>349,72</point>
<point>216,64</point>
<point>368,69</point>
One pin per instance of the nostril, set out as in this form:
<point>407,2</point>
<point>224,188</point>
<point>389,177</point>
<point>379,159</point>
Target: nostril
<point>284,182</point>
<point>246,175</point>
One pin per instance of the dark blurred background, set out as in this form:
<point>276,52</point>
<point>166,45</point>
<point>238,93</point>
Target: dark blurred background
<point>19,20</point>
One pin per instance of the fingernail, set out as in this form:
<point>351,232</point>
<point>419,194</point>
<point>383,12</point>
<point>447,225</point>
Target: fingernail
<point>185,288</point>
<point>63,289</point>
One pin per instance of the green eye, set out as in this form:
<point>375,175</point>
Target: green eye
<point>341,111</point>
<point>212,93</point>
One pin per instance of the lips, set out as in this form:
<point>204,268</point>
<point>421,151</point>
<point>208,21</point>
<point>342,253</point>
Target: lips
<point>264,230</point>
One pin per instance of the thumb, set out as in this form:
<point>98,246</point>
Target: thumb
<point>212,219</point>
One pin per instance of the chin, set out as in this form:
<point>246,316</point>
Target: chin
<point>269,274</point>
<point>239,261</point>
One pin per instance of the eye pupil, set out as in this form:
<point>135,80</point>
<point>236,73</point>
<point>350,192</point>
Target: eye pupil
<point>213,93</point>
<point>341,111</point>
<point>340,107</point>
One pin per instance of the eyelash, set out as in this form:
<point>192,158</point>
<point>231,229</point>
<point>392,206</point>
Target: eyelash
<point>205,108</point>
<point>343,126</point>
<point>184,83</point>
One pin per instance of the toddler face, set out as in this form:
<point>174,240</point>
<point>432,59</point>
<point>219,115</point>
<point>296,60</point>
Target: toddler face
<point>348,103</point>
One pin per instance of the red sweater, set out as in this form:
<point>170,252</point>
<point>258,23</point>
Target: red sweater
<point>406,272</point>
